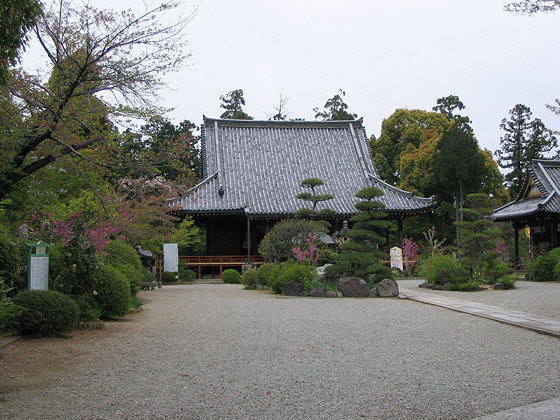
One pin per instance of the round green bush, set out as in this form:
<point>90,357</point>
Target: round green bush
<point>89,309</point>
<point>508,281</point>
<point>118,253</point>
<point>492,272</point>
<point>441,269</point>
<point>249,279</point>
<point>266,273</point>
<point>306,275</point>
<point>45,312</point>
<point>134,277</point>
<point>169,276</point>
<point>231,276</point>
<point>541,268</point>
<point>188,275</point>
<point>112,290</point>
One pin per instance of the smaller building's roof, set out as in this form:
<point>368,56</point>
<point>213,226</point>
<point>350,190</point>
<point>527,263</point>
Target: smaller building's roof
<point>540,195</point>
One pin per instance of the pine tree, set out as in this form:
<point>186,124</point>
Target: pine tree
<point>477,234</point>
<point>232,103</point>
<point>524,139</point>
<point>313,197</point>
<point>361,255</point>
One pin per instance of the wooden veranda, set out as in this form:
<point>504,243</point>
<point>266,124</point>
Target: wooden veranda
<point>198,262</point>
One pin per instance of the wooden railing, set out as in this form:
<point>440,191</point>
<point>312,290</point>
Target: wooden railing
<point>221,261</point>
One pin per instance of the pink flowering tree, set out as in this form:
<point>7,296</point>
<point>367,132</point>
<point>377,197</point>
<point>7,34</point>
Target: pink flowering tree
<point>79,240</point>
<point>410,255</point>
<point>310,253</point>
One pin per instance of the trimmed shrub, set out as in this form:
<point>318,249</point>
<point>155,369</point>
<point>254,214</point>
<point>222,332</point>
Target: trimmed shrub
<point>187,275</point>
<point>134,277</point>
<point>541,269</point>
<point>169,277</point>
<point>508,281</point>
<point>45,312</point>
<point>72,269</point>
<point>88,308</point>
<point>249,279</point>
<point>231,276</point>
<point>112,290</point>
<point>266,273</point>
<point>305,275</point>
<point>492,272</point>
<point>118,253</point>
<point>441,269</point>
<point>467,286</point>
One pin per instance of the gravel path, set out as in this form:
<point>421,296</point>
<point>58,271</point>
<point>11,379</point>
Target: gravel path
<point>218,351</point>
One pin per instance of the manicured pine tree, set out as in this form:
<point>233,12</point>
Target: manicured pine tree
<point>477,235</point>
<point>314,198</point>
<point>361,256</point>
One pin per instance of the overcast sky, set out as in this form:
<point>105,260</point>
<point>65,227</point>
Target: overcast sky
<point>384,54</point>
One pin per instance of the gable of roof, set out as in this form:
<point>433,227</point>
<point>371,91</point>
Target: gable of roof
<point>541,193</point>
<point>255,168</point>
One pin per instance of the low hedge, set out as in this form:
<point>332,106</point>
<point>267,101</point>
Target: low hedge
<point>45,312</point>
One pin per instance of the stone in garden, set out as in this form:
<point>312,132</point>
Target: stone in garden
<point>321,271</point>
<point>387,288</point>
<point>353,287</point>
<point>373,292</point>
<point>498,286</point>
<point>330,294</point>
<point>448,286</point>
<point>318,292</point>
<point>292,289</point>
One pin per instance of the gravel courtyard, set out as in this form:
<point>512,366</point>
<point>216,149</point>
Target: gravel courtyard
<point>218,351</point>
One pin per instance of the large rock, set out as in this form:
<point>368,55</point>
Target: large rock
<point>292,289</point>
<point>387,288</point>
<point>321,271</point>
<point>353,287</point>
<point>318,292</point>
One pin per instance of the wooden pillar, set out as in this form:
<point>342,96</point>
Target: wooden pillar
<point>248,240</point>
<point>516,246</point>
<point>400,231</point>
<point>387,240</point>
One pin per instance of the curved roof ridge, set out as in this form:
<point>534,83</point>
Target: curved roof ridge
<point>285,123</point>
<point>196,187</point>
<point>398,190</point>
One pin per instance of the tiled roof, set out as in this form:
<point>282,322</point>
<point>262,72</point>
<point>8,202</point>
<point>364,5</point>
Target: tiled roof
<point>255,167</point>
<point>544,176</point>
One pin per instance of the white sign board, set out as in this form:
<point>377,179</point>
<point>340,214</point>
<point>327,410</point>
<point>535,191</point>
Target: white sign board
<point>396,258</point>
<point>39,273</point>
<point>170,258</point>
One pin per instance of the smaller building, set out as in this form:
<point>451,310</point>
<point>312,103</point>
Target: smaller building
<point>537,208</point>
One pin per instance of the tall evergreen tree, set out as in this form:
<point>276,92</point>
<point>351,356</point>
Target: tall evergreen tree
<point>459,165</point>
<point>233,103</point>
<point>524,139</point>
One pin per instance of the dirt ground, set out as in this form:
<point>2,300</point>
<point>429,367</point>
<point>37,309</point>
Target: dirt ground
<point>32,362</point>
